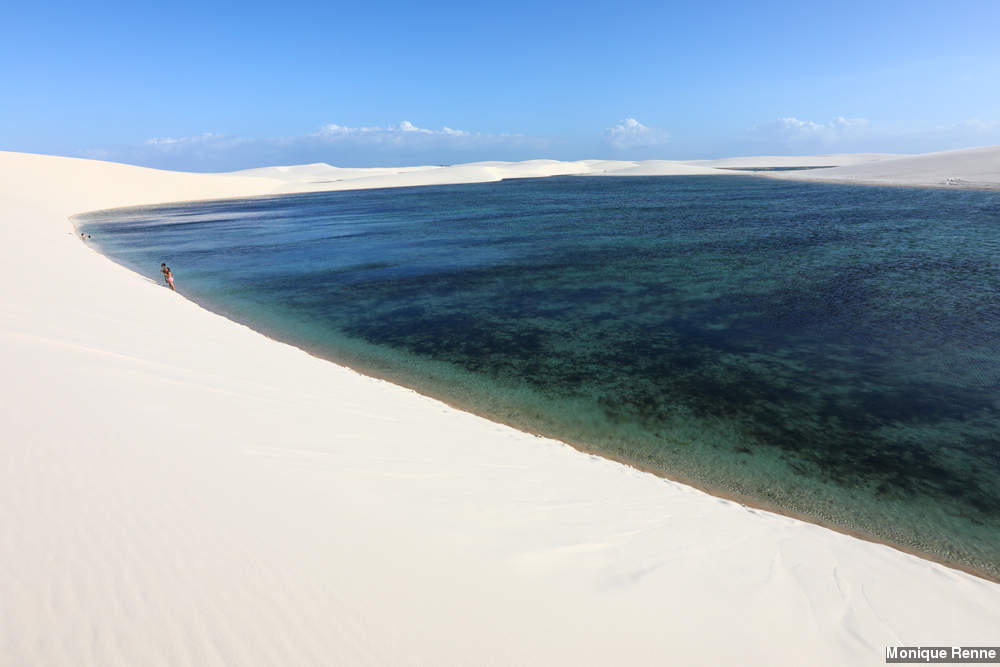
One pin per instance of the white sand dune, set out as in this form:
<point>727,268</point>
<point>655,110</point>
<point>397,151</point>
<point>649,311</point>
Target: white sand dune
<point>655,168</point>
<point>178,489</point>
<point>786,161</point>
<point>966,168</point>
<point>321,176</point>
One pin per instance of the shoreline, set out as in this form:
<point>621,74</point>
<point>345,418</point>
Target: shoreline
<point>744,500</point>
<point>798,177</point>
<point>238,499</point>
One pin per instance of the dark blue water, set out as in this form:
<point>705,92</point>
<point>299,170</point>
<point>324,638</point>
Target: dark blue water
<point>829,351</point>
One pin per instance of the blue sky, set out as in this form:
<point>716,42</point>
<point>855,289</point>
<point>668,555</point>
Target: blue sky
<point>217,86</point>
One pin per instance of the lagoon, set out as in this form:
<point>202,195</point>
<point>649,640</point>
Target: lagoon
<point>827,351</point>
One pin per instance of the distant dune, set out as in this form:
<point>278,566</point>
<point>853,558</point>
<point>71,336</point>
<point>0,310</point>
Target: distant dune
<point>967,168</point>
<point>787,161</point>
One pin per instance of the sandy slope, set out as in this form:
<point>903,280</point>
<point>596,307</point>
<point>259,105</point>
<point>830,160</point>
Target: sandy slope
<point>772,161</point>
<point>322,176</point>
<point>177,489</point>
<point>966,168</point>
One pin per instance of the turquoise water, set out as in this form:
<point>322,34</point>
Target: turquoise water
<point>828,351</point>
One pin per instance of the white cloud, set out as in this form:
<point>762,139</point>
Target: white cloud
<point>401,136</point>
<point>852,135</point>
<point>790,130</point>
<point>407,126</point>
<point>406,133</point>
<point>843,134</point>
<point>368,145</point>
<point>980,125</point>
<point>630,132</point>
<point>168,141</point>
<point>203,141</point>
<point>964,134</point>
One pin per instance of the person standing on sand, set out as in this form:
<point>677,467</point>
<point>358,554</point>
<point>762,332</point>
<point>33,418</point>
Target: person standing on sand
<point>167,275</point>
